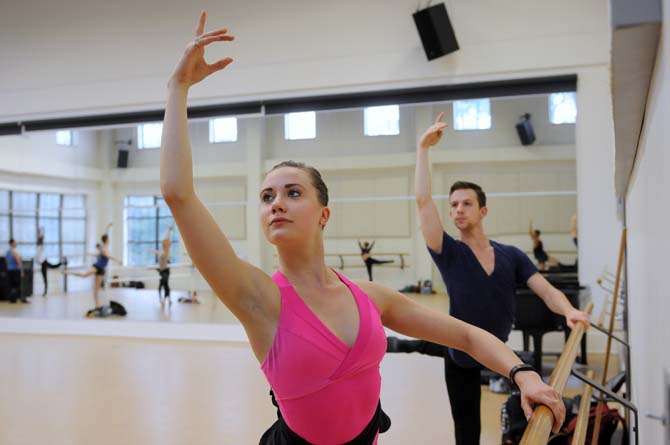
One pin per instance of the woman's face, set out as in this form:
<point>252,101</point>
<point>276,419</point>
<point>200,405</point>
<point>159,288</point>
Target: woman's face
<point>290,211</point>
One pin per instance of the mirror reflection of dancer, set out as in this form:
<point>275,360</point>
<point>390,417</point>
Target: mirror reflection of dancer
<point>41,259</point>
<point>15,273</point>
<point>164,268</point>
<point>539,253</point>
<point>99,267</point>
<point>369,261</point>
<point>318,337</point>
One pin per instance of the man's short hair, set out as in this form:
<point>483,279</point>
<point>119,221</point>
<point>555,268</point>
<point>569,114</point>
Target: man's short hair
<point>464,185</point>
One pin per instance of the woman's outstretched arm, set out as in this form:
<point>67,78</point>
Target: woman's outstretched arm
<point>244,289</point>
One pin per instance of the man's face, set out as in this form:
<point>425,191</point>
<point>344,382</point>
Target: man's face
<point>464,209</point>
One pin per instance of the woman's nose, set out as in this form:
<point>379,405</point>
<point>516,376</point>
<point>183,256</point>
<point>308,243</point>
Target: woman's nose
<point>277,205</point>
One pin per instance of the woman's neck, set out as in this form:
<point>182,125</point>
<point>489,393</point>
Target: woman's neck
<point>306,265</point>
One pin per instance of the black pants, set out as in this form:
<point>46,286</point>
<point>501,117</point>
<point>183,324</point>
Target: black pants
<point>47,265</point>
<point>163,284</point>
<point>370,261</point>
<point>465,393</point>
<point>14,285</point>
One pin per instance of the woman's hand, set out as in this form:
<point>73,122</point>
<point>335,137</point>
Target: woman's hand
<point>535,391</point>
<point>192,67</point>
<point>433,134</point>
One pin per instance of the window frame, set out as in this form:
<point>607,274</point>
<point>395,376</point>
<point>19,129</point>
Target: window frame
<point>367,111</point>
<point>479,102</point>
<point>287,126</point>
<point>155,242</point>
<point>552,108</point>
<point>13,219</point>
<point>141,136</point>
<point>212,130</point>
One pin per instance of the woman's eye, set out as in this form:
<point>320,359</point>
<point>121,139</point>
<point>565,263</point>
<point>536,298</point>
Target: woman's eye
<point>293,193</point>
<point>266,198</point>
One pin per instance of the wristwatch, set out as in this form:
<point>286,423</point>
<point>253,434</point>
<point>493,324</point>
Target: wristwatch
<point>521,367</point>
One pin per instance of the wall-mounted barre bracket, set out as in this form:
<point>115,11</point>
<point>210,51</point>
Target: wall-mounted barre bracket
<point>606,395</point>
<point>604,331</point>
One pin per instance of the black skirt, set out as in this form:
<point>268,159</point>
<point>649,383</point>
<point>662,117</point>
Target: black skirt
<point>280,433</point>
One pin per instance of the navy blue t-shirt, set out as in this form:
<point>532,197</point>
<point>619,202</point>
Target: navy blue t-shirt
<point>474,296</point>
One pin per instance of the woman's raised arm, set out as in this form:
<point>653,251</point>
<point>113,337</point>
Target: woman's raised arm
<point>244,289</point>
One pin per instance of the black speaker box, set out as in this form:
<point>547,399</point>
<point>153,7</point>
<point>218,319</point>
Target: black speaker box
<point>123,159</point>
<point>525,130</point>
<point>435,30</point>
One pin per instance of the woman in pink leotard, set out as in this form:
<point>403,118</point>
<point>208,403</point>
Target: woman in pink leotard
<point>318,336</point>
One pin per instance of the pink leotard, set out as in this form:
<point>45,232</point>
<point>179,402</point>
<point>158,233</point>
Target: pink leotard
<point>327,392</point>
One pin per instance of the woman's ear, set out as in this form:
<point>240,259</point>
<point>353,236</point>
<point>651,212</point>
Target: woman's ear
<point>325,216</point>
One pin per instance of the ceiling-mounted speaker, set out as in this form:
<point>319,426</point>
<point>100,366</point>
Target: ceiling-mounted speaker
<point>435,30</point>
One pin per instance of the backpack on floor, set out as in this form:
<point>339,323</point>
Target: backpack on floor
<point>513,422</point>
<point>609,422</point>
<point>117,308</point>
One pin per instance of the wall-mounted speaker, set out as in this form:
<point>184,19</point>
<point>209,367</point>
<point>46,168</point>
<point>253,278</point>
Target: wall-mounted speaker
<point>435,30</point>
<point>122,161</point>
<point>525,130</point>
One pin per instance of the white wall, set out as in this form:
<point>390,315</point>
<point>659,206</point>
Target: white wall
<point>647,215</point>
<point>37,153</point>
<point>599,227</point>
<point>101,60</point>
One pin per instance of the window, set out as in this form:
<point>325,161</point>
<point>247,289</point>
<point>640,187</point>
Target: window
<point>149,135</point>
<point>24,222</point>
<point>562,108</point>
<point>22,213</point>
<point>48,218</point>
<point>300,125</point>
<point>147,220</point>
<point>67,137</point>
<point>5,234</point>
<point>73,229</point>
<point>472,114</point>
<point>384,120</point>
<point>223,129</point>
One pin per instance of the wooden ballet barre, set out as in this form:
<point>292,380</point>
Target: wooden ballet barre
<point>402,265</point>
<point>154,266</point>
<point>572,252</point>
<point>152,277</point>
<point>579,437</point>
<point>341,256</point>
<point>539,427</point>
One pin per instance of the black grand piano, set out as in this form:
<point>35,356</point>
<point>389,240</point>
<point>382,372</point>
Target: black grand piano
<point>534,319</point>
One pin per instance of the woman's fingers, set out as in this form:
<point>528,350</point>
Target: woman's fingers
<point>213,33</point>
<point>526,407</point>
<point>201,23</point>
<point>219,65</point>
<point>555,403</point>
<point>201,42</point>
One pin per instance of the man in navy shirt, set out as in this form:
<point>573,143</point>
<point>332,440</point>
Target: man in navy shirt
<point>481,277</point>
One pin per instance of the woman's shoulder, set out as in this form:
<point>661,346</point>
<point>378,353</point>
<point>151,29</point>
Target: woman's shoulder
<point>380,295</point>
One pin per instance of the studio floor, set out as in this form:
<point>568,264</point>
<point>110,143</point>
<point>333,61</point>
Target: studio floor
<point>80,389</point>
<point>97,390</point>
